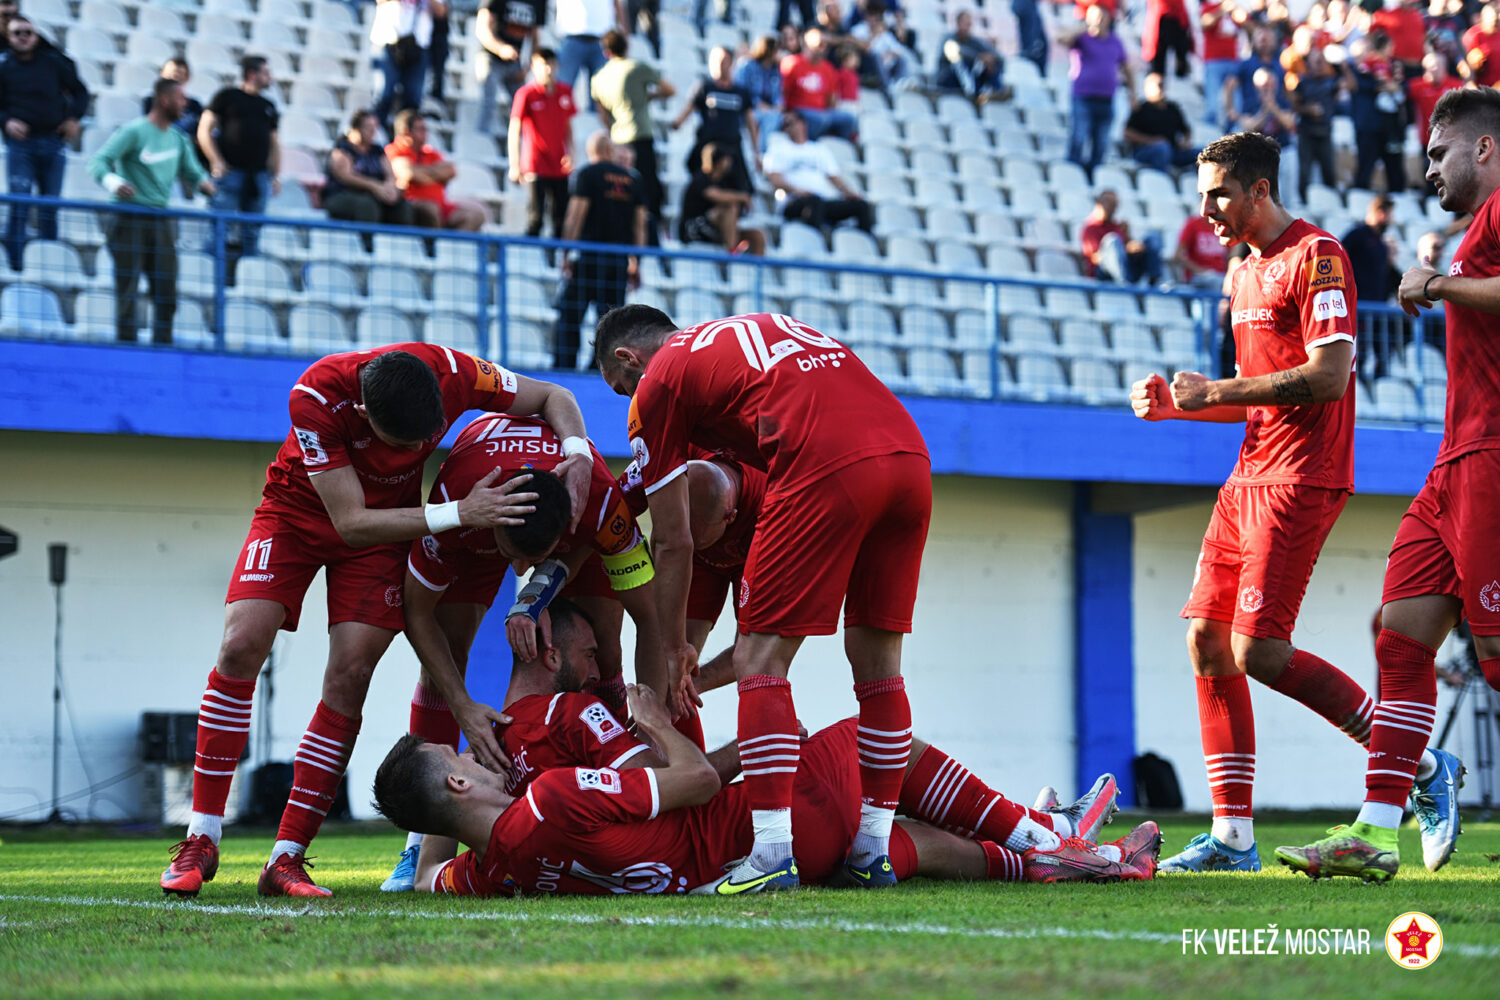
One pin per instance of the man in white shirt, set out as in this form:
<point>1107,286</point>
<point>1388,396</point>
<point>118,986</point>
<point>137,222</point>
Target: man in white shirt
<point>807,181</point>
<point>581,24</point>
<point>400,35</point>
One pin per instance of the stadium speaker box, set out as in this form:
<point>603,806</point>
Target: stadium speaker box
<point>271,785</point>
<point>1156,783</point>
<point>169,737</point>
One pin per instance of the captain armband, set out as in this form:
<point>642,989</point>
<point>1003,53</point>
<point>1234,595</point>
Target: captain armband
<point>629,569</point>
<point>546,580</point>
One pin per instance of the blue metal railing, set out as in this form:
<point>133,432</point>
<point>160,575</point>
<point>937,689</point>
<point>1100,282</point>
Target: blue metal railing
<point>937,359</point>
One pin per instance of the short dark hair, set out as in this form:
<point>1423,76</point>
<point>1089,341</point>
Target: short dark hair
<point>713,154</point>
<point>404,119</point>
<point>540,530</point>
<point>160,88</point>
<point>567,618</point>
<point>358,115</point>
<point>543,53</point>
<point>401,396</point>
<point>174,61</point>
<point>250,65</point>
<point>1471,112</point>
<point>408,789</point>
<point>628,325</point>
<point>615,42</point>
<point>1247,157</point>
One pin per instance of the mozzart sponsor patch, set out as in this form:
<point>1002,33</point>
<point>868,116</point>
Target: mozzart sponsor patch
<point>1325,272</point>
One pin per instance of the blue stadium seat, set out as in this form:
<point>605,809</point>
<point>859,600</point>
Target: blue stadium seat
<point>31,311</point>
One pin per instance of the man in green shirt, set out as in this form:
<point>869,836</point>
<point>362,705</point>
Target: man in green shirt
<point>138,165</point>
<point>623,91</point>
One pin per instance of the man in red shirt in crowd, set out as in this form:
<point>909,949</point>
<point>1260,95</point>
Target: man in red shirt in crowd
<point>343,494</point>
<point>1402,20</point>
<point>1200,255</point>
<point>1292,311</point>
<point>810,84</point>
<point>1221,21</point>
<point>667,826</point>
<point>1442,566</point>
<point>1426,89</point>
<point>540,143</point>
<point>848,498</point>
<point>423,174</point>
<point>1481,63</point>
<point>1108,250</point>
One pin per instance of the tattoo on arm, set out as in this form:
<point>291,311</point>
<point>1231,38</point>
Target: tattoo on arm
<point>1292,389</point>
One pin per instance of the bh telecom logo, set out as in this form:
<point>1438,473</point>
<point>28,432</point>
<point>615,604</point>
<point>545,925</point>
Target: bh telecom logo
<point>1414,940</point>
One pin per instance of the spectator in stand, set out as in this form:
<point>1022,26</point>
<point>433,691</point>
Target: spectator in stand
<point>1240,96</point>
<point>1315,100</point>
<point>177,69</point>
<point>725,114</point>
<point>1481,63</point>
<point>1402,21</point>
<point>1378,106</point>
<point>1157,131</point>
<point>1108,250</point>
<point>831,23</point>
<point>137,165</point>
<point>359,185</point>
<point>437,59</point>
<point>582,24</point>
<point>1200,256</point>
<point>503,27</point>
<point>810,84</point>
<point>1221,21</point>
<point>713,202</point>
<point>806,16</point>
<point>700,14</point>
<point>623,91</point>
<point>8,11</point>
<point>41,100</point>
<point>401,34</point>
<point>1446,24</point>
<point>760,76</point>
<point>1423,94</point>
<point>645,19</point>
<point>1166,31</point>
<point>1032,33</point>
<point>791,41</point>
<point>1372,257</point>
<point>1097,65</point>
<point>967,64</point>
<point>1273,115</point>
<point>238,134</point>
<point>605,207</point>
<point>423,175</point>
<point>886,61</point>
<point>540,142</point>
<point>806,177</point>
<point>903,32</point>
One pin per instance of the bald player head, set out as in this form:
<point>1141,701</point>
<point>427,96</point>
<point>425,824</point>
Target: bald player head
<point>599,146</point>
<point>713,501</point>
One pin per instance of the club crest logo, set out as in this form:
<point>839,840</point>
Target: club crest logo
<point>1251,599</point>
<point>1275,271</point>
<point>1414,940</point>
<point>393,596</point>
<point>1489,596</point>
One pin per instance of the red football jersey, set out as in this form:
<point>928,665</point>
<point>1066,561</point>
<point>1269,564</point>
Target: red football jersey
<point>327,433</point>
<point>514,444</point>
<point>1472,420</point>
<point>1295,296</point>
<point>545,120</point>
<point>566,730</point>
<point>597,832</point>
<point>772,392</point>
<point>733,547</point>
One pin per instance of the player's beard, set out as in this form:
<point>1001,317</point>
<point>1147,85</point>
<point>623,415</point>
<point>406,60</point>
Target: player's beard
<point>567,680</point>
<point>1458,187</point>
<point>1234,223</point>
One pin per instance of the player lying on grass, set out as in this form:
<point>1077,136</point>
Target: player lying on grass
<point>670,827</point>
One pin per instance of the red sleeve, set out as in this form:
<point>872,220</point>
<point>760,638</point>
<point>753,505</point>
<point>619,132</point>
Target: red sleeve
<point>317,431</point>
<point>1324,294</point>
<point>581,799</point>
<point>463,876</point>
<point>432,561</point>
<point>493,387</point>
<point>658,434</point>
<point>520,102</point>
<point>589,733</point>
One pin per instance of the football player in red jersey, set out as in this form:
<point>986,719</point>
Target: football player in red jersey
<point>344,494</point>
<point>1292,311</point>
<point>667,826</point>
<point>848,499</point>
<point>1445,560</point>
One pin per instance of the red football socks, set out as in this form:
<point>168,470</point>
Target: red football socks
<point>1227,724</point>
<point>1404,717</point>
<point>1330,692</point>
<point>884,740</point>
<point>1001,864</point>
<point>431,718</point>
<point>223,731</point>
<point>941,791</point>
<point>769,745</point>
<point>316,771</point>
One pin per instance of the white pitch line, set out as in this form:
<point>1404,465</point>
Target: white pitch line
<point>726,923</point>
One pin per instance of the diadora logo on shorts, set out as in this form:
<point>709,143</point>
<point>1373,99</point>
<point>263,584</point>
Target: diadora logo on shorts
<point>393,596</point>
<point>1251,599</point>
<point>1489,596</point>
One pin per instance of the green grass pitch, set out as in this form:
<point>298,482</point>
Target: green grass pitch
<point>81,915</point>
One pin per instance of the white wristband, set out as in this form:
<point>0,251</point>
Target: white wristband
<point>442,517</point>
<point>113,182</point>
<point>575,445</point>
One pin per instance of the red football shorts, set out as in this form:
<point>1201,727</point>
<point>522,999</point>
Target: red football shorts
<point>286,548</point>
<point>1258,555</point>
<point>708,590</point>
<point>825,800</point>
<point>477,581</point>
<point>853,538</point>
<point>589,581</point>
<point>1447,542</point>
